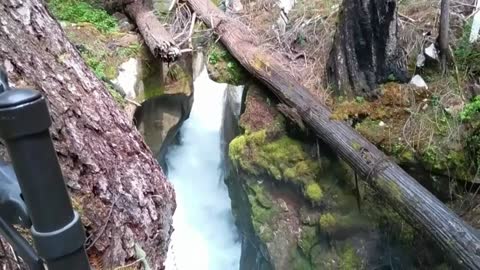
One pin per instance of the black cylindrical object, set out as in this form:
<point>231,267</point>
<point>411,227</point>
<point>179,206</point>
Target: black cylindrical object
<point>57,230</point>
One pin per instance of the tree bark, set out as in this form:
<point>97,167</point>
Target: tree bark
<point>407,196</point>
<point>107,166</point>
<point>159,41</point>
<point>443,36</point>
<point>365,50</point>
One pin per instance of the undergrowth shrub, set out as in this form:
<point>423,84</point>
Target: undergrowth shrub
<point>78,11</point>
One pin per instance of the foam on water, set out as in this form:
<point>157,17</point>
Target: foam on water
<point>205,237</point>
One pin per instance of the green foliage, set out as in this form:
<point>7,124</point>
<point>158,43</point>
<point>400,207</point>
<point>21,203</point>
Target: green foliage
<point>226,67</point>
<point>349,259</point>
<point>96,63</point>
<point>313,192</point>
<point>467,54</point>
<point>471,109</point>
<point>359,99</point>
<point>442,160</point>
<point>78,11</point>
<point>130,51</point>
<point>308,238</point>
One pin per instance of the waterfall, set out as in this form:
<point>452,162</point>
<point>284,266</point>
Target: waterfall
<point>205,237</point>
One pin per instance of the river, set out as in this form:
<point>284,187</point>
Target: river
<point>205,237</point>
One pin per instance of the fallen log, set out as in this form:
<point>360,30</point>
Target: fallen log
<point>413,202</point>
<point>157,38</point>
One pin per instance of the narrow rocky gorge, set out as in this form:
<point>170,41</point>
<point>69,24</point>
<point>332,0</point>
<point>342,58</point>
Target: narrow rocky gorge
<point>273,196</point>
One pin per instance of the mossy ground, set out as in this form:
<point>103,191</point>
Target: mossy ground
<point>414,127</point>
<point>95,34</point>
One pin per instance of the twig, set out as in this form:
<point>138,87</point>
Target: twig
<point>104,225</point>
<point>128,265</point>
<point>406,17</point>
<point>133,102</point>
<point>192,27</point>
<point>190,31</point>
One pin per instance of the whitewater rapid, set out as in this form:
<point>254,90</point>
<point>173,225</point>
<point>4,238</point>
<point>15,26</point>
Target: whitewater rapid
<point>205,237</point>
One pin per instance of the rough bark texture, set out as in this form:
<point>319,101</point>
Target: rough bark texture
<point>408,197</point>
<point>443,33</point>
<point>365,50</point>
<point>158,40</point>
<point>104,159</point>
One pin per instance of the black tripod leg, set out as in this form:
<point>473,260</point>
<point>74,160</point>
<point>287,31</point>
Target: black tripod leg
<point>21,246</point>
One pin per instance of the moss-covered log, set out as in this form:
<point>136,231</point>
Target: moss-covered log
<point>412,201</point>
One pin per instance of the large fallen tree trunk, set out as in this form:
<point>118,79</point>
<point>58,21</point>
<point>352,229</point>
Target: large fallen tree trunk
<point>407,196</point>
<point>115,183</point>
<point>157,38</point>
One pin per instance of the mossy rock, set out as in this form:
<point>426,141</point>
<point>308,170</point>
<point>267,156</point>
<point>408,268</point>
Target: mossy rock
<point>341,225</point>
<point>313,192</point>
<point>223,67</point>
<point>300,262</point>
<point>283,158</point>
<point>263,211</point>
<point>349,259</point>
<point>324,258</point>
<point>309,216</point>
<point>308,238</point>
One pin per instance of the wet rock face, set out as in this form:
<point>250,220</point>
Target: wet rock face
<point>294,201</point>
<point>168,95</point>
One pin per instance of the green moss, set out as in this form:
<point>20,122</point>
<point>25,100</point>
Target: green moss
<point>152,77</point>
<point>372,130</point>
<point>223,67</point>
<point>356,145</point>
<point>300,262</point>
<point>283,159</point>
<point>116,96</point>
<point>327,222</point>
<point>263,212</point>
<point>349,259</point>
<point>314,192</point>
<point>308,238</point>
<point>262,197</point>
<point>441,160</point>
<point>333,223</point>
<point>79,11</point>
<point>324,258</point>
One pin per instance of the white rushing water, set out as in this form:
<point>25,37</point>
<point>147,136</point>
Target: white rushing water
<point>205,237</point>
